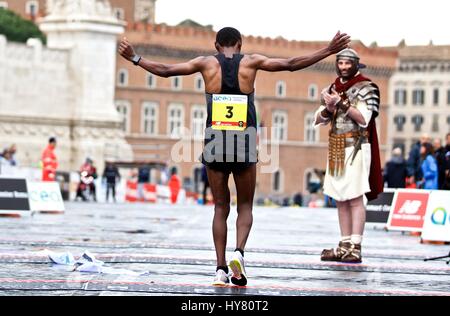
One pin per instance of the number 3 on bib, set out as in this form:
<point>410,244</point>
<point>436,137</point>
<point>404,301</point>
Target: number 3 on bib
<point>229,112</point>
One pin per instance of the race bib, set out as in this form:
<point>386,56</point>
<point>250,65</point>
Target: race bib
<point>229,112</point>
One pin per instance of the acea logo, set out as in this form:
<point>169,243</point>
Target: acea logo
<point>221,98</point>
<point>440,216</point>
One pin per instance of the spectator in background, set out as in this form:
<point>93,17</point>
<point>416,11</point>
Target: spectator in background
<point>5,162</point>
<point>12,151</point>
<point>143,178</point>
<point>111,175</point>
<point>429,168</point>
<point>414,160</point>
<point>88,174</point>
<point>446,185</point>
<point>447,145</point>
<point>49,161</point>
<point>396,172</point>
<point>439,155</point>
<point>174,185</point>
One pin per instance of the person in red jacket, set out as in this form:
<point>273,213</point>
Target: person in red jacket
<point>175,186</point>
<point>49,161</point>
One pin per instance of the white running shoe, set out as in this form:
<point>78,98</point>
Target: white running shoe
<point>221,278</point>
<point>239,276</point>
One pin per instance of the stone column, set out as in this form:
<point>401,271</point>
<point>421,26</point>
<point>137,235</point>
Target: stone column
<point>89,29</point>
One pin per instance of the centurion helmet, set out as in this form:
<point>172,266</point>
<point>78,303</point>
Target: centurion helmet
<point>351,54</point>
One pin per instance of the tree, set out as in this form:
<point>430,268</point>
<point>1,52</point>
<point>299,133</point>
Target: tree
<point>17,29</point>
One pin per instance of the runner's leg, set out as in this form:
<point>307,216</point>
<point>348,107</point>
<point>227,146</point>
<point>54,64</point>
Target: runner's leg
<point>218,182</point>
<point>245,181</point>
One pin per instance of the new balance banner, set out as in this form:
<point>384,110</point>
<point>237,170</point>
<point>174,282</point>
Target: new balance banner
<point>408,210</point>
<point>437,218</point>
<point>13,195</point>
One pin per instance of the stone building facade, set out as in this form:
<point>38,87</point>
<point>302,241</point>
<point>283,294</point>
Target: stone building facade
<point>420,95</point>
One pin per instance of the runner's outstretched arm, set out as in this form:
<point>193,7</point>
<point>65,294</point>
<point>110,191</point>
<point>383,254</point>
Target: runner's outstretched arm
<point>338,43</point>
<point>161,69</point>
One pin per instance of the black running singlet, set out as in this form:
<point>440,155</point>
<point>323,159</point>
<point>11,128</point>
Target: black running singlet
<point>231,126</point>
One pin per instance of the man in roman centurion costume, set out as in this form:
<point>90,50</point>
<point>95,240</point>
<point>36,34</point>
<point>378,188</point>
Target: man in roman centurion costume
<point>350,105</point>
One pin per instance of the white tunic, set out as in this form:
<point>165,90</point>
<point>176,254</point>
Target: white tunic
<point>354,181</point>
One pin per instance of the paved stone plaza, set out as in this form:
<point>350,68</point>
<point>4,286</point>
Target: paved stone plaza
<point>174,245</point>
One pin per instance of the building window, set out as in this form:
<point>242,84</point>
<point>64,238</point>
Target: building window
<point>280,90</point>
<point>417,120</point>
<point>448,97</point>
<point>175,120</point>
<point>311,135</point>
<point>32,8</point>
<point>418,97</point>
<point>400,97</point>
<point>279,126</point>
<point>399,121</point>
<point>448,120</point>
<point>151,81</point>
<point>3,5</point>
<point>123,107</point>
<point>313,92</point>
<point>119,13</point>
<point>199,85</point>
<point>198,119</point>
<point>177,83</point>
<point>436,96</point>
<point>435,125</point>
<point>122,77</point>
<point>277,181</point>
<point>149,118</point>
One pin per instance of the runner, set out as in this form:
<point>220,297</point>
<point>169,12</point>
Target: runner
<point>230,135</point>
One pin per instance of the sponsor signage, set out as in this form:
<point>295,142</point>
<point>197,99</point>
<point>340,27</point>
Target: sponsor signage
<point>45,196</point>
<point>377,211</point>
<point>408,210</point>
<point>437,218</point>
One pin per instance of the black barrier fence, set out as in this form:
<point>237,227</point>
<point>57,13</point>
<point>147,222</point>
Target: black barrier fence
<point>377,211</point>
<point>14,195</point>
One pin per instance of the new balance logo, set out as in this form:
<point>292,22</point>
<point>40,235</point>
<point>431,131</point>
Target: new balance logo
<point>410,207</point>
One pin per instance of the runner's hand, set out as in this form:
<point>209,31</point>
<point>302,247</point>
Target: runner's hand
<point>126,50</point>
<point>339,42</point>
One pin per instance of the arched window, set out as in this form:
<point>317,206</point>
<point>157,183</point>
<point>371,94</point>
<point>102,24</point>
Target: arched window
<point>199,84</point>
<point>175,120</point>
<point>280,90</point>
<point>399,121</point>
<point>151,81</point>
<point>417,120</point>
<point>149,117</point>
<point>123,107</point>
<point>279,126</point>
<point>277,181</point>
<point>122,77</point>
<point>313,92</point>
<point>177,83</point>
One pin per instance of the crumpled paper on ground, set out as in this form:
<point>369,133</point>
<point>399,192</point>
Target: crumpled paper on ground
<point>87,263</point>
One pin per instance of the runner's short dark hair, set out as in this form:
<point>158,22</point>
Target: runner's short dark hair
<point>228,36</point>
